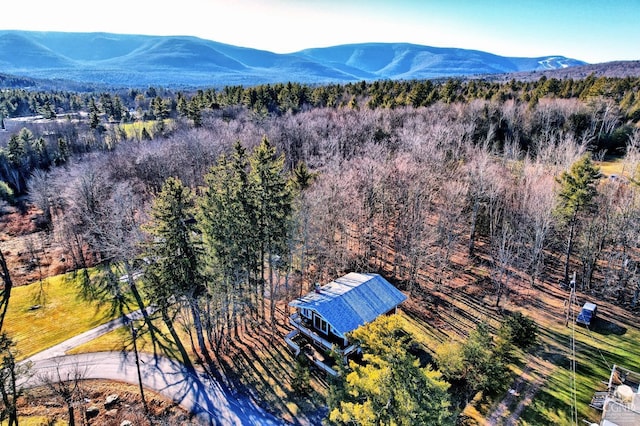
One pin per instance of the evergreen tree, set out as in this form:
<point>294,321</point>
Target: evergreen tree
<point>484,370</point>
<point>272,205</point>
<point>118,109</point>
<point>145,134</point>
<point>390,388</point>
<point>194,112</point>
<point>173,274</point>
<point>63,153</point>
<point>578,188</point>
<point>16,151</point>
<point>160,108</point>
<point>228,237</point>
<point>94,115</point>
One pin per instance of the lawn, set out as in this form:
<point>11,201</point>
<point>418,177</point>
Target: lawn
<point>44,314</point>
<point>614,166</point>
<point>612,339</point>
<point>134,130</point>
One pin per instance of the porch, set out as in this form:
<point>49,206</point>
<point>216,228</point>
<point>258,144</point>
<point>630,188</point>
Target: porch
<point>321,340</point>
<point>316,346</point>
<point>319,358</point>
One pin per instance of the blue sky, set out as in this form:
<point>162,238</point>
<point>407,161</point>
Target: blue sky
<point>593,31</point>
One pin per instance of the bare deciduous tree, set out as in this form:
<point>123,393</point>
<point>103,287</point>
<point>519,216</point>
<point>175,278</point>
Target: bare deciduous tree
<point>64,382</point>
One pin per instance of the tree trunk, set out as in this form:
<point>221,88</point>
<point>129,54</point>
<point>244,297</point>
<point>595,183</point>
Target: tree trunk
<point>183,353</point>
<point>197,323</point>
<point>636,295</point>
<point>71,413</point>
<point>10,407</point>
<point>472,232</point>
<point>6,290</point>
<point>141,305</point>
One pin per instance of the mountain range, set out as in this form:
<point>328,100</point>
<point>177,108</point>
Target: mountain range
<point>120,60</point>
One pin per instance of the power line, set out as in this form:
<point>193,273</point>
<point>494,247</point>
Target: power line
<point>574,411</point>
<point>572,377</point>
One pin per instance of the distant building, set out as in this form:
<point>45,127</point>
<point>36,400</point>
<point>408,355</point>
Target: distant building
<point>324,316</point>
<point>620,403</point>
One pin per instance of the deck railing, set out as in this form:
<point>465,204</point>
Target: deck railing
<point>296,322</point>
<point>289,338</point>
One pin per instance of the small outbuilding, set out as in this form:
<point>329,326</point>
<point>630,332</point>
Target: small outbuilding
<point>587,314</point>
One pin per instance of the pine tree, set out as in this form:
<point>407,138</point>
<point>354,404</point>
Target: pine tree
<point>94,115</point>
<point>578,188</point>
<point>228,237</point>
<point>390,387</point>
<point>173,274</point>
<point>16,151</point>
<point>160,108</point>
<point>272,205</point>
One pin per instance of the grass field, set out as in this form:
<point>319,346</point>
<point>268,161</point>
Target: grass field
<point>614,166</point>
<point>44,314</point>
<point>259,363</point>
<point>611,340</point>
<point>134,130</point>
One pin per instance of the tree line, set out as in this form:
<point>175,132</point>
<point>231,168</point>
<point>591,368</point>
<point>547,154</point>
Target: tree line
<point>404,189</point>
<point>603,113</point>
<point>223,230</point>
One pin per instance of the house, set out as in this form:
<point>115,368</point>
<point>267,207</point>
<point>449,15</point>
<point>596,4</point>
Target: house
<point>620,403</point>
<point>325,316</point>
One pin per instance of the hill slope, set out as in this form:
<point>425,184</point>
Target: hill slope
<point>139,60</point>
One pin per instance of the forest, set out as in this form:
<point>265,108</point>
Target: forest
<point>230,202</point>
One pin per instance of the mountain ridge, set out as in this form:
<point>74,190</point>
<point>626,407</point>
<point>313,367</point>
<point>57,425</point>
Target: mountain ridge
<point>174,61</point>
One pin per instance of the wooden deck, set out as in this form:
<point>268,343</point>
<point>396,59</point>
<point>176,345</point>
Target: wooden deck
<point>296,321</point>
<point>298,343</point>
<point>315,346</point>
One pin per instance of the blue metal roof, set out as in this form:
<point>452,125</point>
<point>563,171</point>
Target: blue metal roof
<point>351,301</point>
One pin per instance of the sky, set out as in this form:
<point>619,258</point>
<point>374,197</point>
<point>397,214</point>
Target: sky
<point>590,30</point>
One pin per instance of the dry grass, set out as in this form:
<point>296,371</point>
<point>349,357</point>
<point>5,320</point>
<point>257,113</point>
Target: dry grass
<point>44,314</point>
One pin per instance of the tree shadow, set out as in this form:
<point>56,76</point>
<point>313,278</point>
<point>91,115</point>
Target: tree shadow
<point>209,402</point>
<point>259,364</point>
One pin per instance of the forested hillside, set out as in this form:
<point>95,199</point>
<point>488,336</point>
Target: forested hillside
<point>233,201</point>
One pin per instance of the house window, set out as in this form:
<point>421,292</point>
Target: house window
<point>320,324</point>
<point>306,313</point>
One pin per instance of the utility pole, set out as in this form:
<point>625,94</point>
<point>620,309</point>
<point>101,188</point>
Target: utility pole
<point>572,296</point>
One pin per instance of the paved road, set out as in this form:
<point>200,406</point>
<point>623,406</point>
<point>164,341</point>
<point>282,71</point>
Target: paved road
<point>61,348</point>
<point>201,395</point>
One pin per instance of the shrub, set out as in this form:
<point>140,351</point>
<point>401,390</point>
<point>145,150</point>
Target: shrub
<point>6,193</point>
<point>521,330</point>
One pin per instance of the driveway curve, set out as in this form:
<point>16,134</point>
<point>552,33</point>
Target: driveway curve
<point>202,396</point>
